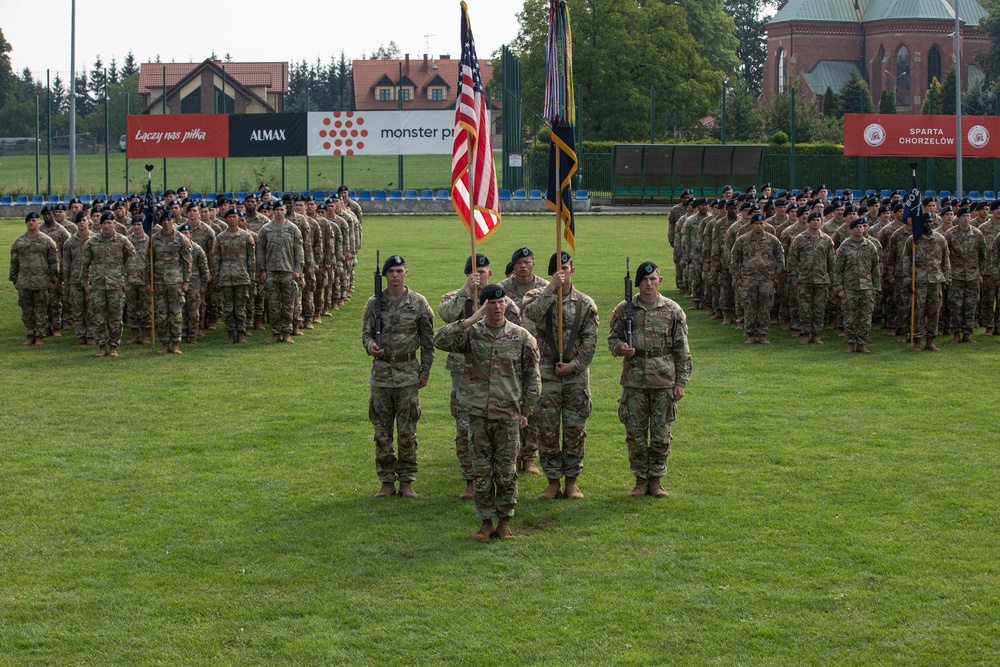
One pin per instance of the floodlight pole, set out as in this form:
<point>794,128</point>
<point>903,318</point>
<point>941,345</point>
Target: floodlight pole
<point>72,99</point>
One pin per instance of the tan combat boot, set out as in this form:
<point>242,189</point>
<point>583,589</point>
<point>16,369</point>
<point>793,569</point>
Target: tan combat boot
<point>38,341</point>
<point>175,348</point>
<point>817,340</point>
<point>258,323</point>
<point>851,348</point>
<point>531,468</point>
<point>112,351</point>
<point>805,340</point>
<point>147,336</point>
<point>469,492</point>
<point>296,331</point>
<point>551,491</point>
<point>241,337</point>
<point>230,337</point>
<point>79,341</point>
<point>55,332</point>
<point>91,341</point>
<point>276,338</point>
<point>503,529</point>
<point>406,490</point>
<point>989,331</point>
<point>308,324</point>
<point>863,349</point>
<point>572,491</point>
<point>388,489</point>
<point>287,337</point>
<point>930,346</point>
<point>135,339</point>
<point>641,487</point>
<point>29,341</point>
<point>655,489</point>
<point>763,340</point>
<point>957,338</point>
<point>101,352</point>
<point>485,531</point>
<point>967,338</point>
<point>165,349</point>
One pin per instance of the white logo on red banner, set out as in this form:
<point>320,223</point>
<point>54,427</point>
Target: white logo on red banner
<point>874,135</point>
<point>978,136</point>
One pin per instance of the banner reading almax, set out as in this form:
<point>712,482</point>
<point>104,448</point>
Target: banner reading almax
<point>911,135</point>
<point>381,132</point>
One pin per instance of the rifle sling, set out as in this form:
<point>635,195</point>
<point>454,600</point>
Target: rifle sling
<point>550,333</point>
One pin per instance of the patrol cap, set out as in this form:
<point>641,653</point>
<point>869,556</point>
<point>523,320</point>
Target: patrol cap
<point>491,292</point>
<point>32,216</point>
<point>552,262</point>
<point>391,262</point>
<point>185,227</point>
<point>962,211</point>
<point>230,212</point>
<point>756,217</point>
<point>857,221</point>
<point>521,253</point>
<point>481,261</point>
<point>644,269</point>
<point>108,216</point>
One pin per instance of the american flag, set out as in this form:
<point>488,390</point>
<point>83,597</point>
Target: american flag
<point>472,123</point>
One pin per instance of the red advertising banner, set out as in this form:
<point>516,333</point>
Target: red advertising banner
<point>912,135</point>
<point>177,135</point>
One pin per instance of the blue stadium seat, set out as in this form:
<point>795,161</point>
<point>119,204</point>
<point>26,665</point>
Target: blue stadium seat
<point>22,200</point>
<point>7,200</point>
<point>504,196</point>
<point>229,195</point>
<point>840,193</point>
<point>37,200</point>
<point>869,193</point>
<point>86,199</point>
<point>350,193</point>
<point>197,196</point>
<point>974,195</point>
<point>54,199</point>
<point>426,195</point>
<point>101,198</point>
<point>930,193</point>
<point>580,195</point>
<point>443,195</point>
<point>116,196</point>
<point>857,195</point>
<point>379,195</point>
<point>796,192</point>
<point>411,195</point>
<point>945,193</point>
<point>886,193</point>
<point>989,195</point>
<point>535,195</point>
<point>520,195</point>
<point>212,195</point>
<point>365,195</point>
<point>396,195</point>
<point>319,195</point>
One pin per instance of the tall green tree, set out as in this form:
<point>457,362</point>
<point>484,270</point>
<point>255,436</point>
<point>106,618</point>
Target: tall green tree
<point>979,101</point>
<point>129,66</point>
<point>887,102</point>
<point>8,80</point>
<point>750,18</point>
<point>743,114</point>
<point>989,60</point>
<point>620,49</point>
<point>948,93</point>
<point>831,105</point>
<point>714,31</point>
<point>855,97</point>
<point>933,99</point>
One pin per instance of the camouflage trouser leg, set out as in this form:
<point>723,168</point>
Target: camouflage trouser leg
<point>249,300</point>
<point>169,312</point>
<point>946,315</point>
<point>695,284</point>
<point>758,295</point>
<point>963,296</point>
<point>887,296</point>
<point>494,465</point>
<point>308,291</point>
<point>297,308</point>
<point>901,297</point>
<point>399,407</point>
<point>927,310</point>
<point>711,289</point>
<point>55,306</point>
<point>738,303</point>
<point>811,308</point>
<point>529,441</point>
<point>194,304</point>
<point>647,415</point>
<point>281,290</point>
<point>137,308</point>
<point>338,282</point>
<point>353,271</point>
<point>66,318</point>
<point>727,293</point>
<point>34,311</point>
<point>106,310</point>
<point>234,307</point>
<point>328,287</point>
<point>319,290</point>
<point>679,271</point>
<point>463,447</point>
<point>210,304</point>
<point>570,404</point>
<point>260,290</point>
<point>78,311</point>
<point>858,306</point>
<point>987,303</point>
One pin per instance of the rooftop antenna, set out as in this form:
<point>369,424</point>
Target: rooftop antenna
<point>427,43</point>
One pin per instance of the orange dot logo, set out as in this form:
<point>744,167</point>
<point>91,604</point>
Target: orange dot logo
<point>326,121</point>
<point>364,133</point>
<point>360,145</point>
<point>322,133</point>
<point>360,121</point>
<point>326,145</point>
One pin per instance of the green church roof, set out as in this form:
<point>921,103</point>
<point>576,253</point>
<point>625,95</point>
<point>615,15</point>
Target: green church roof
<point>865,11</point>
<point>832,74</point>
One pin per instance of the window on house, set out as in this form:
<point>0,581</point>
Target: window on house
<point>902,87</point>
<point>224,103</point>
<point>437,95</point>
<point>384,95</point>
<point>192,102</point>
<point>404,94</point>
<point>933,65</point>
<point>782,71</point>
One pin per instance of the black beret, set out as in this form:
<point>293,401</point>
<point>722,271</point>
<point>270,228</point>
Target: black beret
<point>265,207</point>
<point>490,292</point>
<point>765,186</point>
<point>850,208</point>
<point>685,193</point>
<point>982,205</point>
<point>135,206</point>
<point>185,227</point>
<point>137,219</point>
<point>926,200</point>
<point>520,253</point>
<point>966,201</point>
<point>509,269</point>
<point>929,217</point>
<point>59,207</point>
<point>190,205</point>
<point>391,262</point>
<point>342,188</point>
<point>962,211</point>
<point>898,206</point>
<point>947,209</point>
<point>822,186</point>
<point>801,211</point>
<point>263,185</point>
<point>815,215</point>
<point>745,206</point>
<point>481,261</point>
<point>118,204</point>
<point>863,210</point>
<point>108,216</point>
<point>334,196</point>
<point>726,187</point>
<point>644,269</point>
<point>75,200</point>
<point>278,203</point>
<point>857,221</point>
<point>995,204</point>
<point>754,207</point>
<point>32,216</point>
<point>169,192</point>
<point>82,215</point>
<point>321,206</point>
<point>829,208</point>
<point>182,189</point>
<point>780,202</point>
<point>230,212</point>
<point>552,262</point>
<point>699,201</point>
<point>884,208</point>
<point>167,215</point>
<point>756,217</point>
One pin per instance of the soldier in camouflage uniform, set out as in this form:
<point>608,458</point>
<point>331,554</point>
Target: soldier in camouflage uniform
<point>255,222</point>
<point>203,235</point>
<point>280,262</point>
<point>989,313</point>
<point>397,377</point>
<point>108,261</point>
<point>34,270</point>
<point>308,265</point>
<point>324,259</point>
<point>790,306</point>
<point>195,297</point>
<point>136,299</point>
<point>692,249</point>
<point>756,263</point>
<point>60,235</point>
<point>75,282</point>
<point>516,287</point>
<point>499,389</point>
<point>171,272</point>
<point>857,273</point>
<point>656,367</point>
<point>900,279</point>
<point>354,215</point>
<point>314,257</point>
<point>675,214</point>
<point>933,270</point>
<point>967,254</point>
<point>234,261</point>
<point>565,397</point>
<point>455,306</point>
<point>810,269</point>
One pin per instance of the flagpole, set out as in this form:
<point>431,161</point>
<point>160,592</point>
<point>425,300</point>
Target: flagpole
<point>559,203</point>
<point>913,264</point>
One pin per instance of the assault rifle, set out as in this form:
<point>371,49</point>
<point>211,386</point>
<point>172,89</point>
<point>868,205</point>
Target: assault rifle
<point>378,299</point>
<point>628,301</point>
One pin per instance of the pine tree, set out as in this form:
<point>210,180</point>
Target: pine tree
<point>98,79</point>
<point>948,93</point>
<point>8,80</point>
<point>830,103</point>
<point>112,71</point>
<point>84,104</point>
<point>935,94</point>
<point>887,102</point>
<point>58,95</point>
<point>129,66</point>
<point>855,96</point>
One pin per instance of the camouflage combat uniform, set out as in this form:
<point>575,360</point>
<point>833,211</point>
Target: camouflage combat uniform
<point>60,235</point>
<point>75,285</point>
<point>172,267</point>
<point>662,361</point>
<point>757,261</point>
<point>857,272</point>
<point>197,293</point>
<point>234,260</point>
<point>499,385</point>
<point>810,269</point>
<point>933,270</point>
<point>967,254</point>
<point>108,262</point>
<point>34,268</point>
<point>279,254</point>
<point>394,398</point>
<point>989,313</point>
<point>137,309</point>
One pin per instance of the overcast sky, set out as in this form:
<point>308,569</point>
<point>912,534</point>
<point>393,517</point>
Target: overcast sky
<point>189,30</point>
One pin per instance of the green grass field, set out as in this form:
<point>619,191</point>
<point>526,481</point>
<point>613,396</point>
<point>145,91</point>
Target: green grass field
<point>216,508</point>
<point>373,172</point>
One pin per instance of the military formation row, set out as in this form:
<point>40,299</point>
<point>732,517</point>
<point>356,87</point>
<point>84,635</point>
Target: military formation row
<point>815,262</point>
<point>519,354</point>
<point>243,262</point>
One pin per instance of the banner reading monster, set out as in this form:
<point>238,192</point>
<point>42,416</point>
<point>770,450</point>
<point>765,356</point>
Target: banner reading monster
<point>177,135</point>
<point>912,135</point>
<point>381,132</point>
